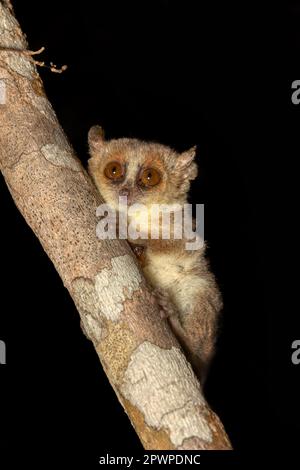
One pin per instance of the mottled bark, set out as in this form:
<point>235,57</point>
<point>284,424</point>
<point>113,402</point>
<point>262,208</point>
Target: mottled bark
<point>140,355</point>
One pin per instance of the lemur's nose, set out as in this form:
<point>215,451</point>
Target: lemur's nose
<point>124,191</point>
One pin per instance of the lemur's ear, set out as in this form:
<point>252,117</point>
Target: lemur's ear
<point>185,159</point>
<point>96,138</point>
<point>185,163</point>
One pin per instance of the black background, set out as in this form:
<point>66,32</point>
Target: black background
<point>182,74</point>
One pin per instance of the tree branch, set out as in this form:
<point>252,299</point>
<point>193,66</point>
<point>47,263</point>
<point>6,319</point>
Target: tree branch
<point>140,355</point>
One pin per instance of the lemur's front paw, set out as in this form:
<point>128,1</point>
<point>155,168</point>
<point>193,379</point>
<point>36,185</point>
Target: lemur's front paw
<point>138,250</point>
<point>167,309</point>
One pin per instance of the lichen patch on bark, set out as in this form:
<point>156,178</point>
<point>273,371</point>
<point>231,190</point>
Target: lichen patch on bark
<point>60,157</point>
<point>102,301</point>
<point>161,384</point>
<point>151,438</point>
<point>116,284</point>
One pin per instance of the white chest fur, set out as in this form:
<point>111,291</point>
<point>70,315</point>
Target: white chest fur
<point>174,273</point>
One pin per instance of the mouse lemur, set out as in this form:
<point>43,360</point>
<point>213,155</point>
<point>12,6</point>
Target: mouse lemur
<point>150,173</point>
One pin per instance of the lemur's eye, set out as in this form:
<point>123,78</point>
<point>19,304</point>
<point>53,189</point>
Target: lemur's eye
<point>149,177</point>
<point>114,171</point>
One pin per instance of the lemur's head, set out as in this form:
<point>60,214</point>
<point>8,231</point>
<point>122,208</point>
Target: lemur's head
<point>147,173</point>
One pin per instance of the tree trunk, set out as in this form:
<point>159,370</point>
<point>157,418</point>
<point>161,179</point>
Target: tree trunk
<point>139,353</point>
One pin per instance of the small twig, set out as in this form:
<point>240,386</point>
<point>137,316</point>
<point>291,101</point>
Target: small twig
<point>35,52</point>
<point>22,51</point>
<point>29,54</point>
